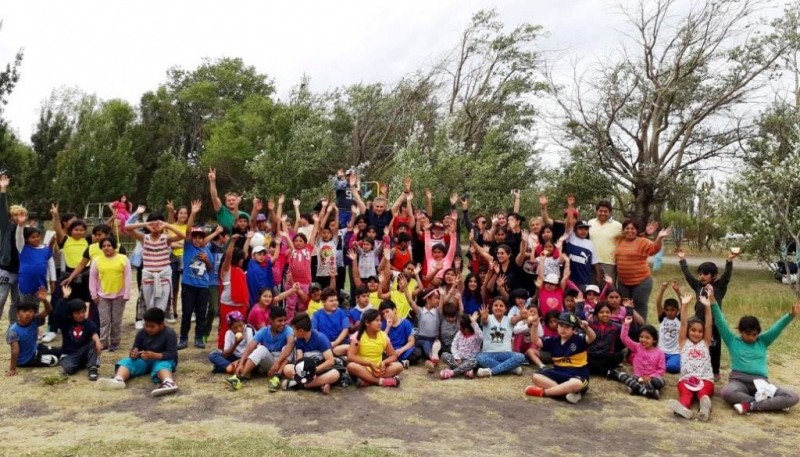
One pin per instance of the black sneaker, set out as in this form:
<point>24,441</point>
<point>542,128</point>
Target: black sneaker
<point>198,343</point>
<point>93,374</point>
<point>183,343</point>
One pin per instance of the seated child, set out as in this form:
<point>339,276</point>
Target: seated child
<point>362,304</point>
<point>311,343</point>
<point>448,326</point>
<point>268,351</point>
<point>366,360</point>
<point>23,336</point>
<point>497,356</point>
<point>258,316</point>
<point>313,299</point>
<point>332,322</point>
<point>81,339</point>
<point>605,353</point>
<point>154,352</point>
<point>427,338</point>
<point>748,352</point>
<point>461,358</point>
<point>669,327</point>
<point>648,362</point>
<point>237,338</point>
<point>400,332</point>
<point>569,377</point>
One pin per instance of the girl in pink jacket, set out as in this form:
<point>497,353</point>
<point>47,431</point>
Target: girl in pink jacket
<point>647,360</point>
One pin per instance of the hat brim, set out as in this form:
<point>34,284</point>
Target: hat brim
<point>695,387</point>
<point>567,323</point>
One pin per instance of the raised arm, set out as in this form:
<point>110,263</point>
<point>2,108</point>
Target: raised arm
<point>516,193</point>
<point>357,194</point>
<point>685,300</point>
<point>258,205</point>
<point>60,235</point>
<point>212,188</point>
<point>429,203</point>
<point>197,205</point>
<point>660,298</point>
<point>543,205</point>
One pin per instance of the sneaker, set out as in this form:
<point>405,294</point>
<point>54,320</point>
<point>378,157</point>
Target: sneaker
<point>446,374</point>
<point>743,407</point>
<point>48,337</point>
<point>484,372</point>
<point>198,343</point>
<point>166,388</point>
<point>361,383</point>
<point>234,382</point>
<point>534,391</point>
<point>406,364</point>
<point>394,381</point>
<point>705,409</point>
<point>170,320</point>
<point>287,384</point>
<point>430,365</point>
<point>681,410</point>
<point>183,344</point>
<point>138,325</point>
<point>654,394</point>
<point>194,318</point>
<point>273,384</point>
<point>517,371</point>
<point>573,397</point>
<point>93,374</point>
<point>110,384</point>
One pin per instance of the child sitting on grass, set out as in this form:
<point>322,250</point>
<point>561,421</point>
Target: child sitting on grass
<point>569,377</point>
<point>154,352</point>
<point>461,359</point>
<point>269,350</point>
<point>366,360</point>
<point>332,322</point>
<point>237,338</point>
<point>648,362</point>
<point>310,343</point>
<point>497,356</point>
<point>22,336</point>
<point>748,353</point>
<point>81,338</point>
<point>669,327</point>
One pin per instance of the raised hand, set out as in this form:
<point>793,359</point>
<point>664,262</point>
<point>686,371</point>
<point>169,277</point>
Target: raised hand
<point>608,280</point>
<point>383,189</point>
<point>212,174</point>
<point>4,182</point>
<point>270,205</point>
<point>453,199</point>
<point>66,291</point>
<point>676,287</point>
<point>324,202</point>
<point>474,317</point>
<point>281,199</point>
<point>41,294</point>
<point>664,286</point>
<point>141,209</point>
<point>484,312</point>
<point>688,298</point>
<point>428,194</point>
<point>258,205</point>
<point>352,255</point>
<point>197,205</point>
<point>681,254</point>
<point>464,203</point>
<point>410,197</point>
<point>628,320</point>
<point>627,302</point>
<point>665,233</point>
<point>542,200</point>
<point>417,269</point>
<point>296,202</point>
<point>54,209</point>
<point>407,183</point>
<point>570,200</point>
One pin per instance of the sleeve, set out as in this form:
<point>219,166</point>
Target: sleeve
<point>693,282</point>
<point>12,336</point>
<point>724,331</point>
<point>650,247</point>
<point>315,321</point>
<point>626,339</point>
<point>138,342</point>
<point>229,340</point>
<point>19,238</point>
<point>171,349</point>
<point>477,329</point>
<point>344,321</point>
<point>772,333</point>
<point>339,184</point>
<point>94,280</point>
<point>547,342</point>
<point>456,345</point>
<point>126,291</point>
<point>721,285</point>
<point>467,222</point>
<point>661,365</point>
<point>5,220</point>
<point>51,269</point>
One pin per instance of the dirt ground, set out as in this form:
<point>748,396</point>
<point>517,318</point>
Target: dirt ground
<point>425,416</point>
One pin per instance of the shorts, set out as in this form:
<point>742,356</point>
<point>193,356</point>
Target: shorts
<point>141,367</point>
<point>561,377</point>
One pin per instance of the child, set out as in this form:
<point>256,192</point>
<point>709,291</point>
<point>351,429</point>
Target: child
<point>569,376</point>
<point>605,353</point>
<point>669,328</point>
<point>697,377</point>
<point>448,326</point>
<point>233,294</point>
<point>332,322</point>
<point>269,350</point>
<point>194,281</point>
<point>428,317</point>
<point>551,288</point>
<point>81,341</point>
<point>497,356</point>
<point>33,259</point>
<point>647,360</point>
<point>362,304</point>
<point>299,259</point>
<point>237,338</point>
<point>22,337</point>
<point>258,317</point>
<point>748,353</point>
<point>312,300</point>
<point>366,359</point>
<point>259,271</point>
<point>110,287</point>
<point>154,352</point>
<point>311,344</point>
<point>461,358</point>
<point>400,332</point>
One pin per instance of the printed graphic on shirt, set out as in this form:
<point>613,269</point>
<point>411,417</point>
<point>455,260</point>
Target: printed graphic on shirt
<point>77,332</point>
<point>497,333</point>
<point>198,267</point>
<point>327,255</point>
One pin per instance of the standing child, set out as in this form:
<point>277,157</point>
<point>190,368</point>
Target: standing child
<point>110,287</point>
<point>461,359</point>
<point>648,362</point>
<point>233,295</point>
<point>365,357</point>
<point>33,258</point>
<point>748,353</point>
<point>299,259</point>
<point>569,376</point>
<point>154,353</point>
<point>669,327</point>
<point>697,377</point>
<point>22,337</point>
<point>194,280</point>
<point>497,356</point>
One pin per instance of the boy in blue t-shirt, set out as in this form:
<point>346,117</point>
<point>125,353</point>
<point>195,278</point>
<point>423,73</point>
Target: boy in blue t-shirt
<point>400,332</point>
<point>81,346</point>
<point>153,353</point>
<point>332,322</point>
<point>23,335</point>
<point>269,351</point>
<point>570,375</point>
<point>311,343</point>
<point>197,261</point>
<point>362,304</point>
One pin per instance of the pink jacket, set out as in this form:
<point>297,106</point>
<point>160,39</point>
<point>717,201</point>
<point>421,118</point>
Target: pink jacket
<point>646,362</point>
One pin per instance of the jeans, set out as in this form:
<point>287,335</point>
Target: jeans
<point>640,294</point>
<point>500,362</point>
<point>195,300</point>
<point>86,356</point>
<point>8,286</point>
<point>219,362</point>
<point>213,309</point>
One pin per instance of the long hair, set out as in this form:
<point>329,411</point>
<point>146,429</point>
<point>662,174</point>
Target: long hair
<point>366,317</point>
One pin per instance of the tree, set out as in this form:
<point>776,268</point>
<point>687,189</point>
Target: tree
<point>673,99</point>
<point>14,157</point>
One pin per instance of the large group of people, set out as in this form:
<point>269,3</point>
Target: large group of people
<point>350,291</point>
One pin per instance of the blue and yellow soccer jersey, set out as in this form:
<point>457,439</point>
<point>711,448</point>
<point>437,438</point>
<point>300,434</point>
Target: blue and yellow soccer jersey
<point>570,356</point>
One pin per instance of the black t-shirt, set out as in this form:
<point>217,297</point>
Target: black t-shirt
<point>379,221</point>
<point>76,334</point>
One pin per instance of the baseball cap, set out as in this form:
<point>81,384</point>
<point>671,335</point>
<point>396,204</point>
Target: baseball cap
<point>592,288</point>
<point>567,318</point>
<point>349,171</point>
<point>306,370</point>
<point>197,230</point>
<point>234,316</point>
<point>581,224</point>
<point>259,249</point>
<point>261,217</point>
<point>551,278</point>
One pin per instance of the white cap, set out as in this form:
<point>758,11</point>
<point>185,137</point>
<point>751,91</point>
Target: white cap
<point>552,278</point>
<point>259,249</point>
<point>592,288</point>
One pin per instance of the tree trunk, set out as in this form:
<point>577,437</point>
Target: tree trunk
<point>644,194</point>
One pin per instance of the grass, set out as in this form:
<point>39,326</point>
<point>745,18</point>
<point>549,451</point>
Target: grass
<point>43,414</point>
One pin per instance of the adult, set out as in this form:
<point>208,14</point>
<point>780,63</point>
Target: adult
<point>604,232</point>
<point>226,216</point>
<point>634,278</point>
<point>582,256</point>
<point>379,216</point>
<point>9,257</point>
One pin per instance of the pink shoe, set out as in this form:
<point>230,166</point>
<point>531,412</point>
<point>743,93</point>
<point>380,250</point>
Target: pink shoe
<point>391,382</point>
<point>446,374</point>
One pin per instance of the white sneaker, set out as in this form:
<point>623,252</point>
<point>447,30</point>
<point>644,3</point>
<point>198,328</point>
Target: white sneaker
<point>484,372</point>
<point>139,325</point>
<point>681,410</point>
<point>170,321</point>
<point>705,408</point>
<point>165,388</point>
<point>48,337</point>
<point>110,384</point>
<point>574,397</point>
<point>194,318</point>
<point>517,371</point>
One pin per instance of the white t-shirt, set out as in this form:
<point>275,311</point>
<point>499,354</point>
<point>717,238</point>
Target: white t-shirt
<point>230,339</point>
<point>497,335</point>
<point>668,335</point>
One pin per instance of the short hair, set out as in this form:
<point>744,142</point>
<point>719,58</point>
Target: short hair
<point>327,293</point>
<point>649,329</point>
<point>301,236</point>
<point>153,217</point>
<point>154,315</point>
<point>632,222</point>
<point>26,306</point>
<point>403,237</point>
<point>111,240</point>
<point>749,324</point>
<point>314,287</point>
<point>28,232</point>
<point>438,247</point>
<point>387,304</point>
<point>74,224</point>
<point>709,268</point>
<point>276,312</point>
<point>17,209</point>
<point>302,322</point>
<point>101,228</point>
<point>571,293</point>
<point>671,303</point>
<point>361,290</point>
<point>450,309</point>
<point>603,204</point>
<point>75,305</point>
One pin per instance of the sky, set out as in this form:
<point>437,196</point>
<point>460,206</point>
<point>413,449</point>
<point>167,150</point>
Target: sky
<point>123,49</point>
